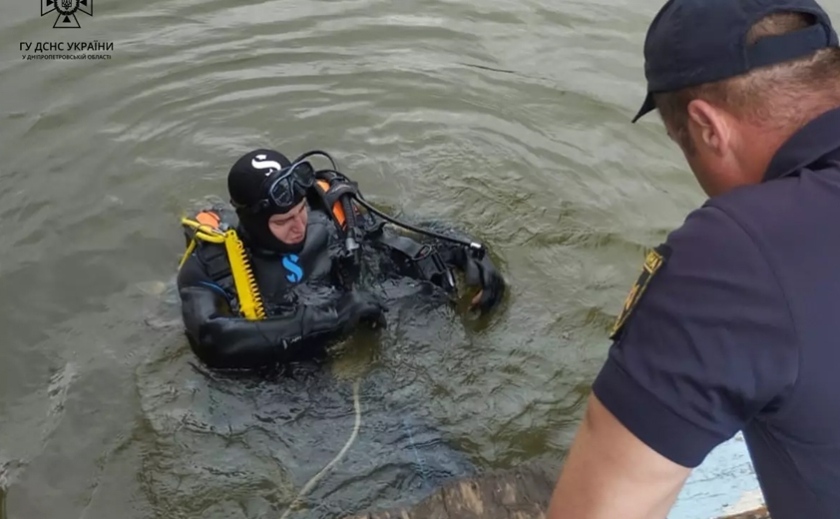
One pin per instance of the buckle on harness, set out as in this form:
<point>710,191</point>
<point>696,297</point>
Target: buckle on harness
<point>423,253</point>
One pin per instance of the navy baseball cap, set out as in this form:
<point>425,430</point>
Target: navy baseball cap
<point>691,42</point>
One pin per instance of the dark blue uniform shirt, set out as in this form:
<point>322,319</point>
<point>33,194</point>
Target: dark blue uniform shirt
<point>737,330</point>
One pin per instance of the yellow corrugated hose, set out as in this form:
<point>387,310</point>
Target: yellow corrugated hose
<point>247,290</point>
<point>250,302</point>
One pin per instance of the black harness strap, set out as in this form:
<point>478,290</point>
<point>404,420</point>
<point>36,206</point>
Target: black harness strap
<point>214,258</point>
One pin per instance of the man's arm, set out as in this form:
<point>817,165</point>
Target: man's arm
<point>610,473</point>
<point>479,273</point>
<point>708,346</point>
<point>223,340</point>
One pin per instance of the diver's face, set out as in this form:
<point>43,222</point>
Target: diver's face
<point>290,227</point>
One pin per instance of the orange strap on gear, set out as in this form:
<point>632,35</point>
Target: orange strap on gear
<point>337,210</point>
<point>208,218</point>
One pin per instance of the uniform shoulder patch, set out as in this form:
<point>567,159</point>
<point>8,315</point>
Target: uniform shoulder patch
<point>653,262</point>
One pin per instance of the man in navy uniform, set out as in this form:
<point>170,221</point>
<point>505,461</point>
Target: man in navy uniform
<point>733,323</point>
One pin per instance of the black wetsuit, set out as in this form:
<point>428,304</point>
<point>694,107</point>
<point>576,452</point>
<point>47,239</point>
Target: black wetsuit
<point>307,295</point>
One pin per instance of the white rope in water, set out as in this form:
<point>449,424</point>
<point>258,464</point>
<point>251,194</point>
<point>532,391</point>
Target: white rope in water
<point>317,477</point>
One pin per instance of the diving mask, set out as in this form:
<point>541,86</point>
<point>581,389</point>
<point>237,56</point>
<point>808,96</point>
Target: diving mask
<point>286,187</point>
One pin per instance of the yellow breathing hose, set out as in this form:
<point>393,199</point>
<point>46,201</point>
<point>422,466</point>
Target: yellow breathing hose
<point>203,232</point>
<point>250,302</point>
<point>247,290</point>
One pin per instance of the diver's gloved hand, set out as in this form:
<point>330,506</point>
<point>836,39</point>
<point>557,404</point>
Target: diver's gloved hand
<point>482,273</point>
<point>361,307</point>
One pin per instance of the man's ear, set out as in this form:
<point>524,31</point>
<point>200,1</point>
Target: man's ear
<point>708,127</point>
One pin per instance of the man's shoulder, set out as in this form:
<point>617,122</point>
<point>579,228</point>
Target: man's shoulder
<point>206,260</point>
<point>318,214</point>
<point>784,219</point>
<point>748,216</point>
<point>778,206</point>
<point>714,246</point>
<point>708,228</point>
<point>318,217</point>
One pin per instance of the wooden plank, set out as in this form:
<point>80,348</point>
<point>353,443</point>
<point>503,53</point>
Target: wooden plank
<point>522,493</point>
<point>759,513</point>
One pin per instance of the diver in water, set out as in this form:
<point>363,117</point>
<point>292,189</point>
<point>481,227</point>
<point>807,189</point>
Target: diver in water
<point>277,280</point>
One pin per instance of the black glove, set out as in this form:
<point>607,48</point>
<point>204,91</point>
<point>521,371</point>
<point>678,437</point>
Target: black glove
<point>483,273</point>
<point>361,307</point>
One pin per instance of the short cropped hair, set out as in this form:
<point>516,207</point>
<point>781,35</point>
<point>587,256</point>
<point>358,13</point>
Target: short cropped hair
<point>785,95</point>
